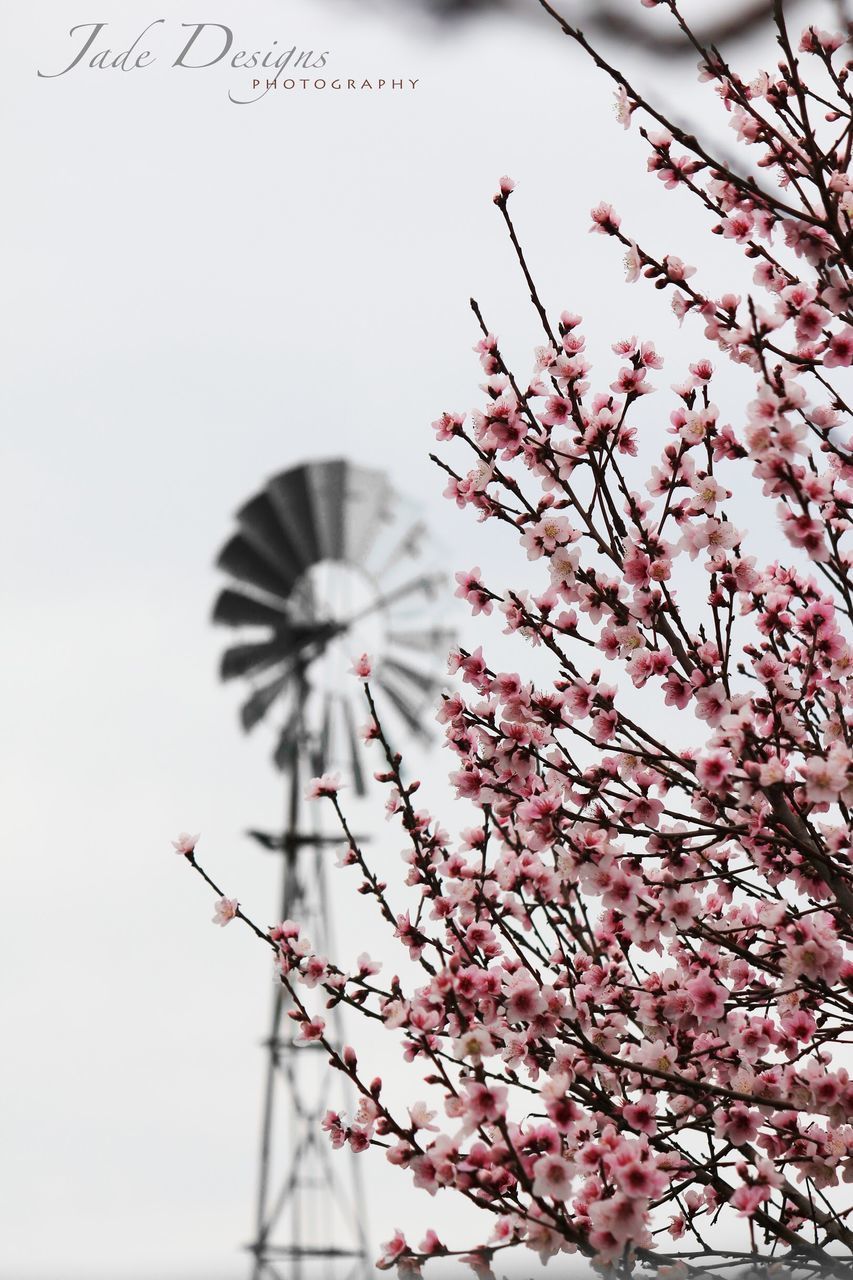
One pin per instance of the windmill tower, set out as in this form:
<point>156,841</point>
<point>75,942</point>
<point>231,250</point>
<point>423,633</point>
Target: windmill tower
<point>324,565</point>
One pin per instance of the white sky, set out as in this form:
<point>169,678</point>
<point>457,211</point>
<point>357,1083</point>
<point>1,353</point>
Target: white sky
<point>198,295</point>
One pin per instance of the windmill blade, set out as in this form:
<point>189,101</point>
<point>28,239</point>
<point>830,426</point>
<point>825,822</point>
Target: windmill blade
<point>291,500</point>
<point>427,641</point>
<point>425,584</point>
<point>261,528</point>
<point>407,547</point>
<point>426,684</point>
<point>369,506</point>
<point>246,659</point>
<point>288,745</point>
<point>266,840</point>
<point>256,707</point>
<point>406,709</point>
<point>326,483</point>
<point>286,752</point>
<point>234,609</point>
<point>243,659</point>
<point>243,562</point>
<point>354,750</point>
<point>324,741</point>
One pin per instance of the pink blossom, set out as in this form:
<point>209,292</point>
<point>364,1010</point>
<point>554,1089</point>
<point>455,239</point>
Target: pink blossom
<point>523,999</point>
<point>361,667</point>
<point>604,219</point>
<point>552,1177</point>
<point>327,785</point>
<point>839,353</point>
<point>747,1200</point>
<point>827,777</point>
<point>311,1029</point>
<point>422,1117</point>
<point>185,844</point>
<point>471,589</point>
<point>392,1251</point>
<point>226,910</point>
<point>448,426</point>
<point>618,1219</point>
<point>366,966</point>
<point>484,1104</point>
<point>624,107</point>
<point>475,1044</point>
<point>543,537</point>
<point>641,1115</point>
<point>707,997</point>
<point>713,770</point>
<point>633,264</point>
<point>711,703</point>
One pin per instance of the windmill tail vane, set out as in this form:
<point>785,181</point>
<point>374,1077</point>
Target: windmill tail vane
<point>326,562</point>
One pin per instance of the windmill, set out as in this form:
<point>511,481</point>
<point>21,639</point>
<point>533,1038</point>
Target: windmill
<point>325,563</point>
<point>613,19</point>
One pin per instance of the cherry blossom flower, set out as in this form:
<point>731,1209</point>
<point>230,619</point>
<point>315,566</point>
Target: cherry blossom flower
<point>328,785</point>
<point>605,219</point>
<point>311,1029</point>
<point>185,844</point>
<point>827,777</point>
<point>471,589</point>
<point>226,910</point>
<point>624,107</point>
<point>707,997</point>
<point>422,1117</point>
<point>552,1177</point>
<point>362,667</point>
<point>839,352</point>
<point>633,264</point>
<point>391,1251</point>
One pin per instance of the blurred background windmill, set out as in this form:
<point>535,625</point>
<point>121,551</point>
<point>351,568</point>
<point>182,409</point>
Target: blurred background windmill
<point>327,562</point>
<point>716,24</point>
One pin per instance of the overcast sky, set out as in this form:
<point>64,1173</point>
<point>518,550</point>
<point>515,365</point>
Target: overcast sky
<point>198,295</point>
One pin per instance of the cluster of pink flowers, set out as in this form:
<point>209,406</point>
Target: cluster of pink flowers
<point>637,964</point>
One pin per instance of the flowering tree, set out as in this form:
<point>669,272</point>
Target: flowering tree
<point>636,969</point>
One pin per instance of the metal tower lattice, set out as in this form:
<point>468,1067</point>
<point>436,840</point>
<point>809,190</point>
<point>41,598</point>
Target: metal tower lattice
<point>324,565</point>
